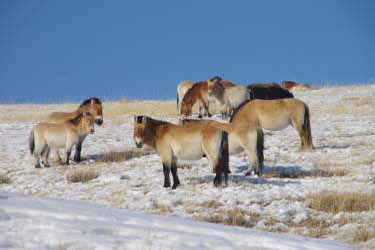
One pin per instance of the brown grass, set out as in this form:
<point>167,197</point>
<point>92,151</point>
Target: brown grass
<point>279,173</point>
<point>161,207</point>
<point>233,217</point>
<point>4,179</point>
<point>363,234</point>
<point>335,202</point>
<point>115,156</point>
<point>82,176</point>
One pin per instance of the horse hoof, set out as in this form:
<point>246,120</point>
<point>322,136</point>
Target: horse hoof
<point>37,166</point>
<point>167,185</point>
<point>47,165</point>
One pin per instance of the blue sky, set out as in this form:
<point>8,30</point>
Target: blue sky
<point>55,51</point>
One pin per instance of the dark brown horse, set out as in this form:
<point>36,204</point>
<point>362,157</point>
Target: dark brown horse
<point>268,91</point>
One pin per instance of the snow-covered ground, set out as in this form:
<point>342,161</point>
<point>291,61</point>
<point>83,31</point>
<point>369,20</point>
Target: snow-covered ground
<point>343,131</point>
<point>40,223</point>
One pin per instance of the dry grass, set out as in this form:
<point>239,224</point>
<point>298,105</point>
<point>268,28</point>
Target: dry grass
<point>111,110</point>
<point>335,202</point>
<point>233,217</point>
<point>161,207</point>
<point>279,173</point>
<point>82,176</point>
<point>4,179</point>
<point>363,234</point>
<point>115,156</point>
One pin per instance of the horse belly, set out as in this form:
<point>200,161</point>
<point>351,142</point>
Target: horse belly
<point>274,123</point>
<point>188,149</point>
<point>56,140</point>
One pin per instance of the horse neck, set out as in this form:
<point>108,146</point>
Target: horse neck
<point>150,135</point>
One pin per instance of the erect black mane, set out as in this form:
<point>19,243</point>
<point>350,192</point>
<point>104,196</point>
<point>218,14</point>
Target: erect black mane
<point>235,111</point>
<point>88,101</point>
<point>76,120</point>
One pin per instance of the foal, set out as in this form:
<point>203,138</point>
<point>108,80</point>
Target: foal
<point>45,137</point>
<point>189,142</point>
<point>91,105</point>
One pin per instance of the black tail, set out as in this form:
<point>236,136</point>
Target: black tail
<point>31,142</point>
<point>224,155</point>
<point>260,148</point>
<point>307,128</point>
<point>177,99</point>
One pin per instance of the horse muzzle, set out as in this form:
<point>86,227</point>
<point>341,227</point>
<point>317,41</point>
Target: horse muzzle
<point>92,131</point>
<point>99,121</point>
<point>139,144</point>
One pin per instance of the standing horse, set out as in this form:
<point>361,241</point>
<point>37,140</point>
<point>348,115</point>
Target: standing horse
<point>229,98</point>
<point>93,106</point>
<point>182,88</point>
<point>45,137</point>
<point>277,115</point>
<point>268,91</point>
<point>242,136</point>
<point>189,142</point>
<point>199,93</point>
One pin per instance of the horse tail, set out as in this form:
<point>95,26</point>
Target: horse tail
<point>32,142</point>
<point>307,127</point>
<point>260,148</point>
<point>177,101</point>
<point>224,155</point>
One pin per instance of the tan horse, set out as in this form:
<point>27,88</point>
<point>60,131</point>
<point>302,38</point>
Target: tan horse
<point>93,106</point>
<point>277,115</point>
<point>45,137</point>
<point>242,136</point>
<point>189,142</point>
<point>229,98</point>
<point>182,88</point>
<point>199,94</point>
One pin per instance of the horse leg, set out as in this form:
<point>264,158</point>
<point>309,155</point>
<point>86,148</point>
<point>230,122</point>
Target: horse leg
<point>46,156</point>
<point>176,181</point>
<point>68,150</point>
<point>77,154</point>
<point>37,160</point>
<point>212,149</point>
<point>206,107</point>
<point>253,145</point>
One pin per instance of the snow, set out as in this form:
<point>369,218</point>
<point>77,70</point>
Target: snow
<point>342,121</point>
<point>41,223</point>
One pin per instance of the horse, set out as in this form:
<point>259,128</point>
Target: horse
<point>277,115</point>
<point>182,88</point>
<point>188,142</point>
<point>290,85</point>
<point>268,91</point>
<point>242,136</point>
<point>91,105</point>
<point>229,98</point>
<point>199,93</point>
<point>45,137</point>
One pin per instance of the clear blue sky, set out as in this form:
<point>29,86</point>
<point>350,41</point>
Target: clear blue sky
<point>54,51</point>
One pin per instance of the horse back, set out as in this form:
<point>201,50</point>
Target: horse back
<point>61,117</point>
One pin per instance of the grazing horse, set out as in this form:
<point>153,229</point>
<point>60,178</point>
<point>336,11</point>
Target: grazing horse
<point>45,137</point>
<point>182,88</point>
<point>242,136</point>
<point>229,98</point>
<point>199,93</point>
<point>188,142</point>
<point>277,115</point>
<point>268,91</point>
<point>93,106</point>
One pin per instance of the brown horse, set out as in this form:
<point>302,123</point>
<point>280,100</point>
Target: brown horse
<point>277,115</point>
<point>268,91</point>
<point>242,136</point>
<point>91,105</point>
<point>189,142</point>
<point>290,85</point>
<point>199,93</point>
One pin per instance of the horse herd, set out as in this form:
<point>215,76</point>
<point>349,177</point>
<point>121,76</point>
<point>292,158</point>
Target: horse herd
<point>248,110</point>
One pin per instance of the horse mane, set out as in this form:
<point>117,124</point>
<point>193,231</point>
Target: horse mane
<point>96,100</point>
<point>236,110</point>
<point>76,120</point>
<point>150,129</point>
<point>218,90</point>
